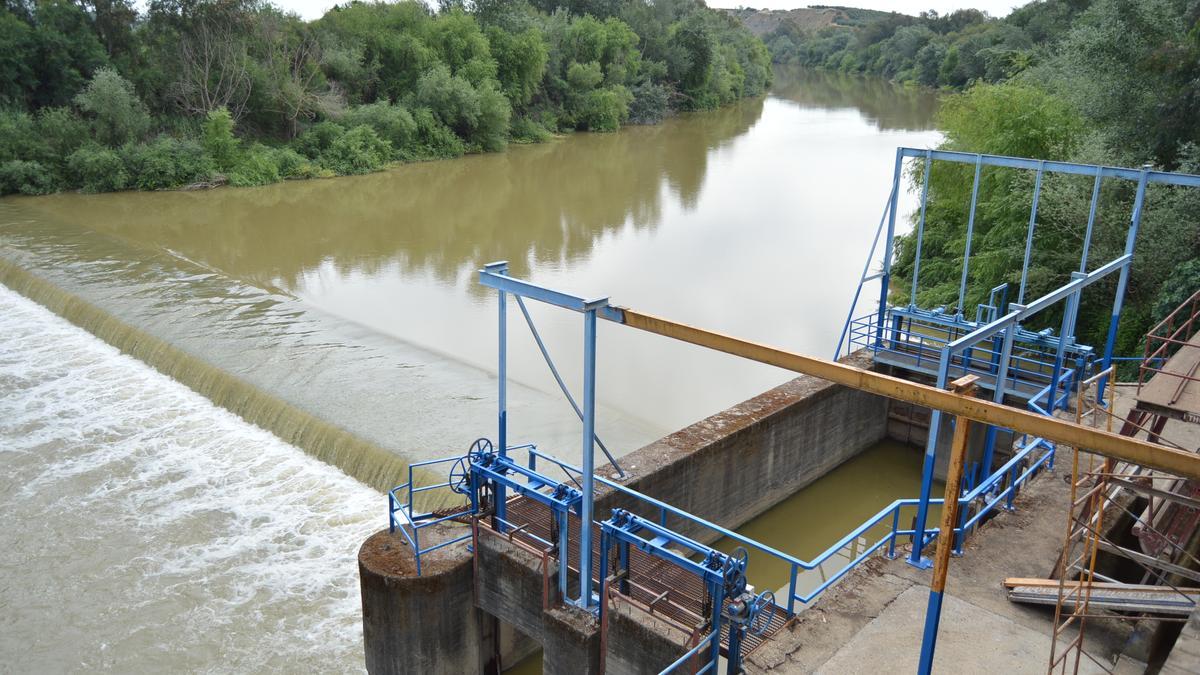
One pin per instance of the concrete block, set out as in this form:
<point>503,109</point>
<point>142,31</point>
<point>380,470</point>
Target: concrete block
<point>420,624</point>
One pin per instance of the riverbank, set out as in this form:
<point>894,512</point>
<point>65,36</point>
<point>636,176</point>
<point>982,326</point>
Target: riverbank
<point>345,94</point>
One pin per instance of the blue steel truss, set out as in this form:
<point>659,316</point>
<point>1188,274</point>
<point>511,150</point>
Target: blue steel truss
<point>1036,368</point>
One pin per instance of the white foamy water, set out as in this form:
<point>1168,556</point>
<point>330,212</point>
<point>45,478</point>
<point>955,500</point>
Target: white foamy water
<point>142,529</point>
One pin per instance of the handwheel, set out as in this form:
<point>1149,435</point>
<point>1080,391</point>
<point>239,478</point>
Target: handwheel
<point>460,473</point>
<point>460,476</point>
<point>761,612</point>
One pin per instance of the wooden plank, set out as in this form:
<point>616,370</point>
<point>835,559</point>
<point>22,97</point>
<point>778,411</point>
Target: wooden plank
<point>1106,443</point>
<point>1169,391</point>
<point>1013,582</point>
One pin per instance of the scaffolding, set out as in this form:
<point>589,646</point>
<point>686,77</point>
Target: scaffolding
<point>1164,508</point>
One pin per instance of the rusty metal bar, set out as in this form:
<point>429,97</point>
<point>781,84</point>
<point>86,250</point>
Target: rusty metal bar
<point>1104,442</point>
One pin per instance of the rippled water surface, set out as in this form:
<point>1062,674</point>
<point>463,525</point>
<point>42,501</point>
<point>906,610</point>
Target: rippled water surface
<point>147,530</point>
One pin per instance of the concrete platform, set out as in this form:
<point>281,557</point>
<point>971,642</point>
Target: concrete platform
<point>969,635</point>
<point>873,620</point>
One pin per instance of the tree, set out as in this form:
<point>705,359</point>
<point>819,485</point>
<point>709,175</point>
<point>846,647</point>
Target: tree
<point>68,52</point>
<point>118,116</point>
<point>214,69</point>
<point>293,85</point>
<point>218,139</point>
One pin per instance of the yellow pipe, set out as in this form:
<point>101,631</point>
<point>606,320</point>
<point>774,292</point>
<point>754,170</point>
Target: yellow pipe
<point>1173,461</point>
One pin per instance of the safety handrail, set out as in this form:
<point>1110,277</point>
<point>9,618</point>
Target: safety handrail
<point>413,523</point>
<point>691,653</point>
<point>1009,470</point>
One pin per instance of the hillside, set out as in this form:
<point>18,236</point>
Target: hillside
<point>760,22</point>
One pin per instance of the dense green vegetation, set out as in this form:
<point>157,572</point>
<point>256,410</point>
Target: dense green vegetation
<point>97,96</point>
<point>1097,81</point>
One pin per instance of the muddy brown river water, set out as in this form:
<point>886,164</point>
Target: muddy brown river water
<point>350,305</point>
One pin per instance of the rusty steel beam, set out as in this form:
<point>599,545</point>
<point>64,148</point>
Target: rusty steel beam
<point>1173,461</point>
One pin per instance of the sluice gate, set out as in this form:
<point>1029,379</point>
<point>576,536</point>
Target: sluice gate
<point>643,557</point>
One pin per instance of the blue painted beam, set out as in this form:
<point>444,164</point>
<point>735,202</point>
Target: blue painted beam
<point>1135,175</point>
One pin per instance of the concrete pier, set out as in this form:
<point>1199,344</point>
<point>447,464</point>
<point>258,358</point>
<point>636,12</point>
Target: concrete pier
<point>421,624</point>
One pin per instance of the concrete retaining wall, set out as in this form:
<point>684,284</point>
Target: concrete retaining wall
<point>733,466</point>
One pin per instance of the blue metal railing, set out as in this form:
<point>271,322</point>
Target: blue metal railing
<point>997,490</point>
<point>917,338</point>
<point>691,653</point>
<point>409,523</point>
<point>1001,486</point>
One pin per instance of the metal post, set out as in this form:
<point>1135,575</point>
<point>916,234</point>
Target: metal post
<point>935,421</point>
<point>1037,194</point>
<point>912,298</point>
<point>563,521</point>
<point>989,445</point>
<point>605,543</point>
<point>1087,236</point>
<point>716,591</point>
<point>502,396</point>
<point>958,453</point>
<point>1068,327</point>
<point>886,277</point>
<point>589,450</point>
<point>1123,281</point>
<point>962,286</point>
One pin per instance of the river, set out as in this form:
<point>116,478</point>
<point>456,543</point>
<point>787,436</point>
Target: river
<point>348,308</point>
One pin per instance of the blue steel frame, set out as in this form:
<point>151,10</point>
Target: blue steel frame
<point>410,524</point>
<point>1008,325</point>
<point>723,575</point>
<point>500,471</point>
<point>495,275</point>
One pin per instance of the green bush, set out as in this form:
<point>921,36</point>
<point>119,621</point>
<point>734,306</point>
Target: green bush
<point>490,132</point>
<point>218,139</point>
<point>98,169</point>
<point>604,109</point>
<point>436,140</point>
<point>359,150</point>
<point>393,123</point>
<point>62,132</point>
<point>291,164</point>
<point>27,178</point>
<point>17,135</point>
<point>650,103</point>
<point>256,167</point>
<point>525,130</point>
<point>318,138</point>
<point>118,115</point>
<point>166,163</point>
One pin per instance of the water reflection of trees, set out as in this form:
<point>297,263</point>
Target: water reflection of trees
<point>547,202</point>
<point>887,105</point>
